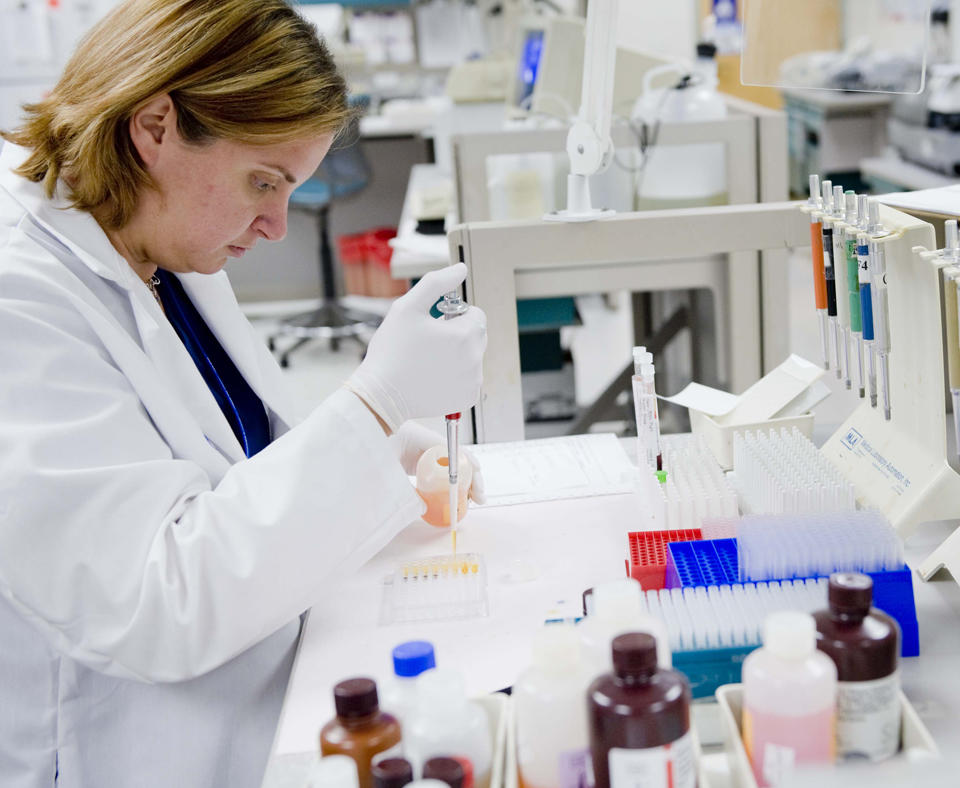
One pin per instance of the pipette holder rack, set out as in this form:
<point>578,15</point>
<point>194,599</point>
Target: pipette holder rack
<point>715,563</point>
<point>901,466</point>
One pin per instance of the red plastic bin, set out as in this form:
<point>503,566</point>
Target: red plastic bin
<point>379,253</point>
<point>352,250</point>
<point>647,563</point>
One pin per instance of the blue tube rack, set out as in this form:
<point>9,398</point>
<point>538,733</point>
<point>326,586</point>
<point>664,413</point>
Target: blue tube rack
<point>714,562</point>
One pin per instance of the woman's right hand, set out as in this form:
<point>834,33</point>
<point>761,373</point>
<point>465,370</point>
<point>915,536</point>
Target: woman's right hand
<point>418,366</point>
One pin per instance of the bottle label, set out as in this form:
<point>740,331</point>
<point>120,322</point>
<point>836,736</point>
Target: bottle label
<point>868,718</point>
<point>775,742</point>
<point>572,768</point>
<point>669,766</point>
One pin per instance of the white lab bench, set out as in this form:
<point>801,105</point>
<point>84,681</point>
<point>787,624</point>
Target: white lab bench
<point>566,546</point>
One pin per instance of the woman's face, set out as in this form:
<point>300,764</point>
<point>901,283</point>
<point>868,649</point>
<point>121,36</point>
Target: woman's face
<point>215,201</point>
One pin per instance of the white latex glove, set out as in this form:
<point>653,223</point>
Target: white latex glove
<point>417,366</point>
<point>413,439</point>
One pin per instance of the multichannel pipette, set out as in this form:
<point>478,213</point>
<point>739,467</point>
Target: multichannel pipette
<point>453,306</point>
<point>829,270</point>
<point>816,249</point>
<point>853,286</point>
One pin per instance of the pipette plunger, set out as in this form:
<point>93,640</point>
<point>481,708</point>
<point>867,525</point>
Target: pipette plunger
<point>453,306</point>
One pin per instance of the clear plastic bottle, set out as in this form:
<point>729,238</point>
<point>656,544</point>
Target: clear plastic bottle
<point>864,644</point>
<point>410,659</point>
<point>334,771</point>
<point>640,721</point>
<point>551,718</point>
<point>617,608</point>
<point>789,699</point>
<point>446,722</point>
<point>360,730</point>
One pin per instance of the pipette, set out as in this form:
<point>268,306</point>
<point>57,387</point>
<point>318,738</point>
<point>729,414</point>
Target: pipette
<point>878,295</point>
<point>816,251</point>
<point>866,310</point>
<point>453,306</point>
<point>830,210</point>
<point>853,286</point>
<point>840,277</point>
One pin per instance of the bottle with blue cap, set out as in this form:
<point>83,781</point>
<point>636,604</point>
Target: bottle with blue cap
<point>410,659</point>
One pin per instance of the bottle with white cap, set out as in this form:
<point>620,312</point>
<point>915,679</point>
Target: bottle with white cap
<point>445,722</point>
<point>616,608</point>
<point>789,699</point>
<point>553,742</point>
<point>410,659</point>
<point>334,771</point>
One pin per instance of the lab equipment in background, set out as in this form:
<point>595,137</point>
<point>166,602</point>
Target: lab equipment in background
<point>864,644</point>
<point>789,698</point>
<point>452,307</point>
<point>449,771</point>
<point>409,659</point>
<point>616,607</point>
<point>815,205</point>
<point>437,588</point>
<point>680,176</point>
<point>925,129</point>
<point>551,719</point>
<point>781,472</point>
<point>391,773</point>
<point>645,410</point>
<point>360,730</point>
<point>446,723</point>
<point>774,547</point>
<point>640,720</point>
<point>433,485</point>
<point>334,771</point>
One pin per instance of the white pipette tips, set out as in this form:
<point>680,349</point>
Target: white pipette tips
<point>781,472</point>
<point>801,546</point>
<point>696,488</point>
<point>727,616</point>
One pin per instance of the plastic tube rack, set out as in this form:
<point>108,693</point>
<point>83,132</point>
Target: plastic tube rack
<point>715,563</point>
<point>647,563</point>
<point>696,488</point>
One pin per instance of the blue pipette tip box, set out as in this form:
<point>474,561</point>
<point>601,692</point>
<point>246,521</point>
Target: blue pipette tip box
<point>713,562</point>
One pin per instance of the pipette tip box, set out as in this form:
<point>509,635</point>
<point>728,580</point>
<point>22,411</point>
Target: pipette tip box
<point>647,563</point>
<point>715,562</point>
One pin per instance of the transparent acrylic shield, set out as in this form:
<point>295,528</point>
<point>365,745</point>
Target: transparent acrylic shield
<point>856,45</point>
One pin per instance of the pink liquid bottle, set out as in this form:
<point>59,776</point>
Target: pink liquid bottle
<point>789,699</point>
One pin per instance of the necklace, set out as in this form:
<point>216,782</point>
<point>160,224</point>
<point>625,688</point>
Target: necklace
<point>152,283</point>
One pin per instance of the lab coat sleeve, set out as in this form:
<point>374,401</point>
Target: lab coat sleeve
<point>127,558</point>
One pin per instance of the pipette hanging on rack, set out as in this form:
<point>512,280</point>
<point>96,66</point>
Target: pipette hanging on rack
<point>829,271</point>
<point>816,250</point>
<point>853,286</point>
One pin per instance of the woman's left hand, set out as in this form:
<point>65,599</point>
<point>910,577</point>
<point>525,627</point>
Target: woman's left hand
<point>413,439</point>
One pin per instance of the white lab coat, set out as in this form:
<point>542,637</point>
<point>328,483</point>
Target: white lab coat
<point>151,577</point>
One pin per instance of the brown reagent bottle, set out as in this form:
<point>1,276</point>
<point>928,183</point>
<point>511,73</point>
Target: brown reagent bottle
<point>360,729</point>
<point>391,773</point>
<point>864,643</point>
<point>640,720</point>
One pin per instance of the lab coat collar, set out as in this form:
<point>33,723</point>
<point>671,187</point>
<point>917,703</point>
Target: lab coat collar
<point>75,229</point>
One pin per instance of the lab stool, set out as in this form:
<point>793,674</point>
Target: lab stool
<point>343,172</point>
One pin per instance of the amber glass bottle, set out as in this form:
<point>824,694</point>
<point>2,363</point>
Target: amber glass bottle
<point>360,729</point>
<point>640,720</point>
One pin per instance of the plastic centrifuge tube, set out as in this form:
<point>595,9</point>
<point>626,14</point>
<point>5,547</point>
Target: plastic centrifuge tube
<point>453,306</point>
<point>829,271</point>
<point>853,284</point>
<point>816,250</point>
<point>646,411</point>
<point>866,310</point>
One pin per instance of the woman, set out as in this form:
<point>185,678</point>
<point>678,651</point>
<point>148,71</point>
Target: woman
<point>165,516</point>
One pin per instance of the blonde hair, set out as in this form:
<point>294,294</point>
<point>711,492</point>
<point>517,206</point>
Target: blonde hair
<point>252,71</point>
